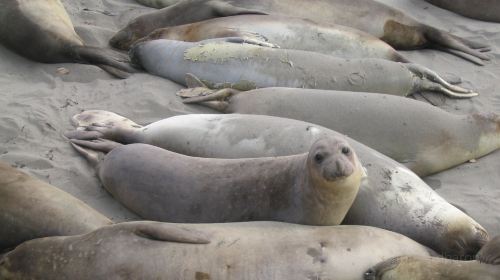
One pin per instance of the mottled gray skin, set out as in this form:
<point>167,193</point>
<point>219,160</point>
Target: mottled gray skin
<point>222,64</point>
<point>315,188</point>
<point>42,31</point>
<point>423,137</point>
<point>487,10</point>
<point>30,208</point>
<point>485,267</point>
<point>286,32</point>
<point>391,25</point>
<point>254,250</point>
<point>391,197</point>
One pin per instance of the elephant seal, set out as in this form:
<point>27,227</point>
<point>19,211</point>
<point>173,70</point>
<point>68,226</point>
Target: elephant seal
<point>254,66</point>
<point>423,137</point>
<point>485,267</point>
<point>391,25</point>
<point>286,32</point>
<point>391,197</point>
<point>486,10</point>
<point>42,31</point>
<point>30,208</point>
<point>315,188</point>
<point>252,250</point>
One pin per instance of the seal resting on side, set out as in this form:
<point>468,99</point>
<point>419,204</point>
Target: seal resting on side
<point>30,208</point>
<point>487,10</point>
<point>391,25</point>
<point>287,33</point>
<point>231,63</point>
<point>252,250</point>
<point>485,267</point>
<point>423,137</point>
<point>315,188</point>
<point>391,197</point>
<point>42,31</point>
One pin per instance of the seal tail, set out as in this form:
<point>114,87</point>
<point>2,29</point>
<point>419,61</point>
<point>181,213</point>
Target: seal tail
<point>115,63</point>
<point>466,49</point>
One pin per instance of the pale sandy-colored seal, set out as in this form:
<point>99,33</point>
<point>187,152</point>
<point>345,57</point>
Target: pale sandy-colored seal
<point>391,197</point>
<point>423,137</point>
<point>30,208</point>
<point>222,63</point>
<point>487,10</point>
<point>42,31</point>
<point>391,25</point>
<point>252,250</point>
<point>287,33</point>
<point>486,266</point>
<point>315,188</point>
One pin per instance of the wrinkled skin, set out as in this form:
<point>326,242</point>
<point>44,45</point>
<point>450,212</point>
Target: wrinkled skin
<point>30,208</point>
<point>149,250</point>
<point>391,197</point>
<point>391,25</point>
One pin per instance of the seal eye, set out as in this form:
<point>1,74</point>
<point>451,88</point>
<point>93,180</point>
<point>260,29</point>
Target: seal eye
<point>318,158</point>
<point>346,150</point>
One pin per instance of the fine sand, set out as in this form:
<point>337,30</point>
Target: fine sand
<point>37,101</point>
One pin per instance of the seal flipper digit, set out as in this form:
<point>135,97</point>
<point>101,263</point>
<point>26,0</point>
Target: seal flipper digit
<point>98,145</point>
<point>168,232</point>
<point>193,82</point>
<point>490,253</point>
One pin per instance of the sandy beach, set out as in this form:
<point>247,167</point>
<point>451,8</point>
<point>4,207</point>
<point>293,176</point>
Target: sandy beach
<point>37,102</point>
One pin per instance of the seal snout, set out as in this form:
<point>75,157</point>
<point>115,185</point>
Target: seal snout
<point>334,159</point>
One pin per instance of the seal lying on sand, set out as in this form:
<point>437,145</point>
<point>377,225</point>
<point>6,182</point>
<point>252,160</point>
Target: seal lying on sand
<point>42,31</point>
<point>253,250</point>
<point>391,25</point>
<point>425,138</point>
<point>30,208</point>
<point>315,188</point>
<point>485,267</point>
<point>286,32</point>
<point>487,10</point>
<point>223,64</point>
<point>391,197</point>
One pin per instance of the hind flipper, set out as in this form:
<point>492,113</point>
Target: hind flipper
<point>98,145</point>
<point>158,4</point>
<point>450,43</point>
<point>110,61</point>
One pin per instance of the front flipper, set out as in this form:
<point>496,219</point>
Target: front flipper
<point>99,145</point>
<point>165,232</point>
